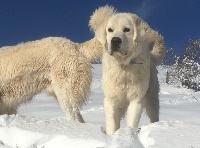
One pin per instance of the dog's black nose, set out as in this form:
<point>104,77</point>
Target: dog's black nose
<point>116,41</point>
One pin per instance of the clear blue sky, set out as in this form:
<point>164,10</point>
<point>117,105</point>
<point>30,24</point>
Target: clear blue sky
<point>26,20</point>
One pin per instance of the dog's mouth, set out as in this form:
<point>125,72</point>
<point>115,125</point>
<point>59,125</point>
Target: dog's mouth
<point>118,53</point>
<point>116,48</point>
<point>114,52</point>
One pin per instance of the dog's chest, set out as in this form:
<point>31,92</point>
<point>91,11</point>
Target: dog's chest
<point>125,82</point>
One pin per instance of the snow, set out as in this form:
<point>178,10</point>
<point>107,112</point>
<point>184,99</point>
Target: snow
<point>42,124</point>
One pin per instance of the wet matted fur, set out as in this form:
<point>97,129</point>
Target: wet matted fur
<point>131,52</point>
<point>56,64</point>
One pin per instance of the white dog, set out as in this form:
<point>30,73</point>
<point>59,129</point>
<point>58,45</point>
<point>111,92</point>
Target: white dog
<point>131,51</point>
<point>58,65</point>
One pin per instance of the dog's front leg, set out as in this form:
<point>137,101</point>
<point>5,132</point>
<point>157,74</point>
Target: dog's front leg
<point>112,118</point>
<point>134,112</point>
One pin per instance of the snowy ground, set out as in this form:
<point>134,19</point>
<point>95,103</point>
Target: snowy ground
<point>41,123</point>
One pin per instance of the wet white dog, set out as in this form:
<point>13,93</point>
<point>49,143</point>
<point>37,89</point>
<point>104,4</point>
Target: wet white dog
<point>55,64</point>
<point>131,52</point>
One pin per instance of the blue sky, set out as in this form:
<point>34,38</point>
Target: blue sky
<point>26,20</point>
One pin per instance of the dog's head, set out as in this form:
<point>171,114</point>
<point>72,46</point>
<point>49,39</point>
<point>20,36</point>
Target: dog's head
<point>122,35</point>
<point>119,33</point>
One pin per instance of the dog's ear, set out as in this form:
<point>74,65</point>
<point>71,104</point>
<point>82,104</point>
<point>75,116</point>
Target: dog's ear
<point>145,33</point>
<point>135,31</point>
<point>98,22</point>
<point>157,46</point>
<point>140,28</point>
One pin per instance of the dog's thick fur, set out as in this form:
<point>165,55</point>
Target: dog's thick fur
<point>131,52</point>
<point>56,64</point>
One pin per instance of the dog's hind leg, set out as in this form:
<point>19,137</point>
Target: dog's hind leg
<point>152,98</point>
<point>72,112</point>
<point>152,108</point>
<point>71,80</point>
<point>11,111</point>
<point>67,102</point>
<point>5,109</point>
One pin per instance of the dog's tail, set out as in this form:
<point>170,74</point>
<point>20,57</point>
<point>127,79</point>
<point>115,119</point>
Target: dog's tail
<point>157,46</point>
<point>91,49</point>
<point>100,16</point>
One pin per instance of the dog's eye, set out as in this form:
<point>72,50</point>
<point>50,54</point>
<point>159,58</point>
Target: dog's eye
<point>110,30</point>
<point>126,30</point>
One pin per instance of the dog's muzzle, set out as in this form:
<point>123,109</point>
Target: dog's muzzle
<point>115,43</point>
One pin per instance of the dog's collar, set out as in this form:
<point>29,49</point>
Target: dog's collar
<point>132,61</point>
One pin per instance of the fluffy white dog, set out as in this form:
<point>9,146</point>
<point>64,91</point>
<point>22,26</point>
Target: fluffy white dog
<point>58,65</point>
<point>131,51</point>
